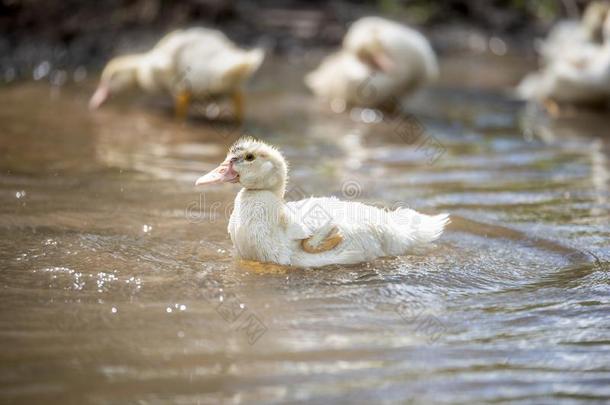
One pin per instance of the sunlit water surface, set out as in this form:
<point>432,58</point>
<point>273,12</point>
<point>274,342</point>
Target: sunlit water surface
<point>117,282</point>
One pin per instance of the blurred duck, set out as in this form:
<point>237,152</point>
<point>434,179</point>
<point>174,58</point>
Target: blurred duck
<point>312,232</point>
<point>572,35</point>
<point>189,64</point>
<point>577,77</point>
<point>380,60</point>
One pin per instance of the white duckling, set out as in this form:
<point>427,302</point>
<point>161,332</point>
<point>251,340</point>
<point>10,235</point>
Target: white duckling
<point>573,35</point>
<point>379,61</point>
<point>195,63</point>
<point>574,78</point>
<point>312,232</point>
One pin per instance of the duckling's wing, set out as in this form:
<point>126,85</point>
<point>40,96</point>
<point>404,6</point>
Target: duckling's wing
<point>326,238</point>
<point>313,224</point>
<point>182,58</point>
<point>584,69</point>
<point>162,59</point>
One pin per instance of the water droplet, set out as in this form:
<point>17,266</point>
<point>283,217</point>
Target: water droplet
<point>368,115</point>
<point>41,70</point>
<point>182,307</point>
<point>114,310</point>
<point>168,310</point>
<point>497,46</point>
<point>50,242</point>
<point>212,111</point>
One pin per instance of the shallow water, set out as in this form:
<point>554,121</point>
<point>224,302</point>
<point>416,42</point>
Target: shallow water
<point>118,284</point>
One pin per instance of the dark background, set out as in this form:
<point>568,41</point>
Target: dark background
<point>73,33</point>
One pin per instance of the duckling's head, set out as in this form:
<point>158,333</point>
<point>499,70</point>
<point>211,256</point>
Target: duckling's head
<point>119,74</point>
<point>363,40</point>
<point>593,20</point>
<point>253,164</point>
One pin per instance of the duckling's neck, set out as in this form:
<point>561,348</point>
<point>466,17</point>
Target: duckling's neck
<point>251,193</point>
<point>257,227</point>
<point>125,63</point>
<point>133,60</point>
<point>260,209</point>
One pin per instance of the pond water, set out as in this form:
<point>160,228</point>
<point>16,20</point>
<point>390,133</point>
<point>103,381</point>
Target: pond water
<point>117,282</point>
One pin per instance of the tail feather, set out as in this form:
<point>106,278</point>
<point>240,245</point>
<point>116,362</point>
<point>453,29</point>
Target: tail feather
<point>243,64</point>
<point>430,227</point>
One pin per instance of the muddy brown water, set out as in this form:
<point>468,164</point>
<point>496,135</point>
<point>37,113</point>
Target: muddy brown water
<point>118,286</point>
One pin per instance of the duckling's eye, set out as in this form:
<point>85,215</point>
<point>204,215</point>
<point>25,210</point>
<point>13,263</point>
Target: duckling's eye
<point>249,157</point>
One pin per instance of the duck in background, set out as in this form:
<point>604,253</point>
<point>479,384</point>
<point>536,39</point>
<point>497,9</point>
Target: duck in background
<point>573,76</point>
<point>380,60</point>
<point>312,232</point>
<point>190,64</point>
<point>572,35</point>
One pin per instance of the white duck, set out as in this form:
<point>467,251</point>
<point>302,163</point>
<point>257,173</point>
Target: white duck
<point>312,232</point>
<point>577,77</point>
<point>195,63</point>
<point>379,61</point>
<point>572,35</point>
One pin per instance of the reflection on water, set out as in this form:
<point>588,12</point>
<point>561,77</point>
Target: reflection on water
<point>118,284</point>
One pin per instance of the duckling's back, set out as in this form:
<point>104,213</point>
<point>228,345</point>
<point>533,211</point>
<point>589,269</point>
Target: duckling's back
<point>368,232</point>
<point>205,61</point>
<point>408,47</point>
